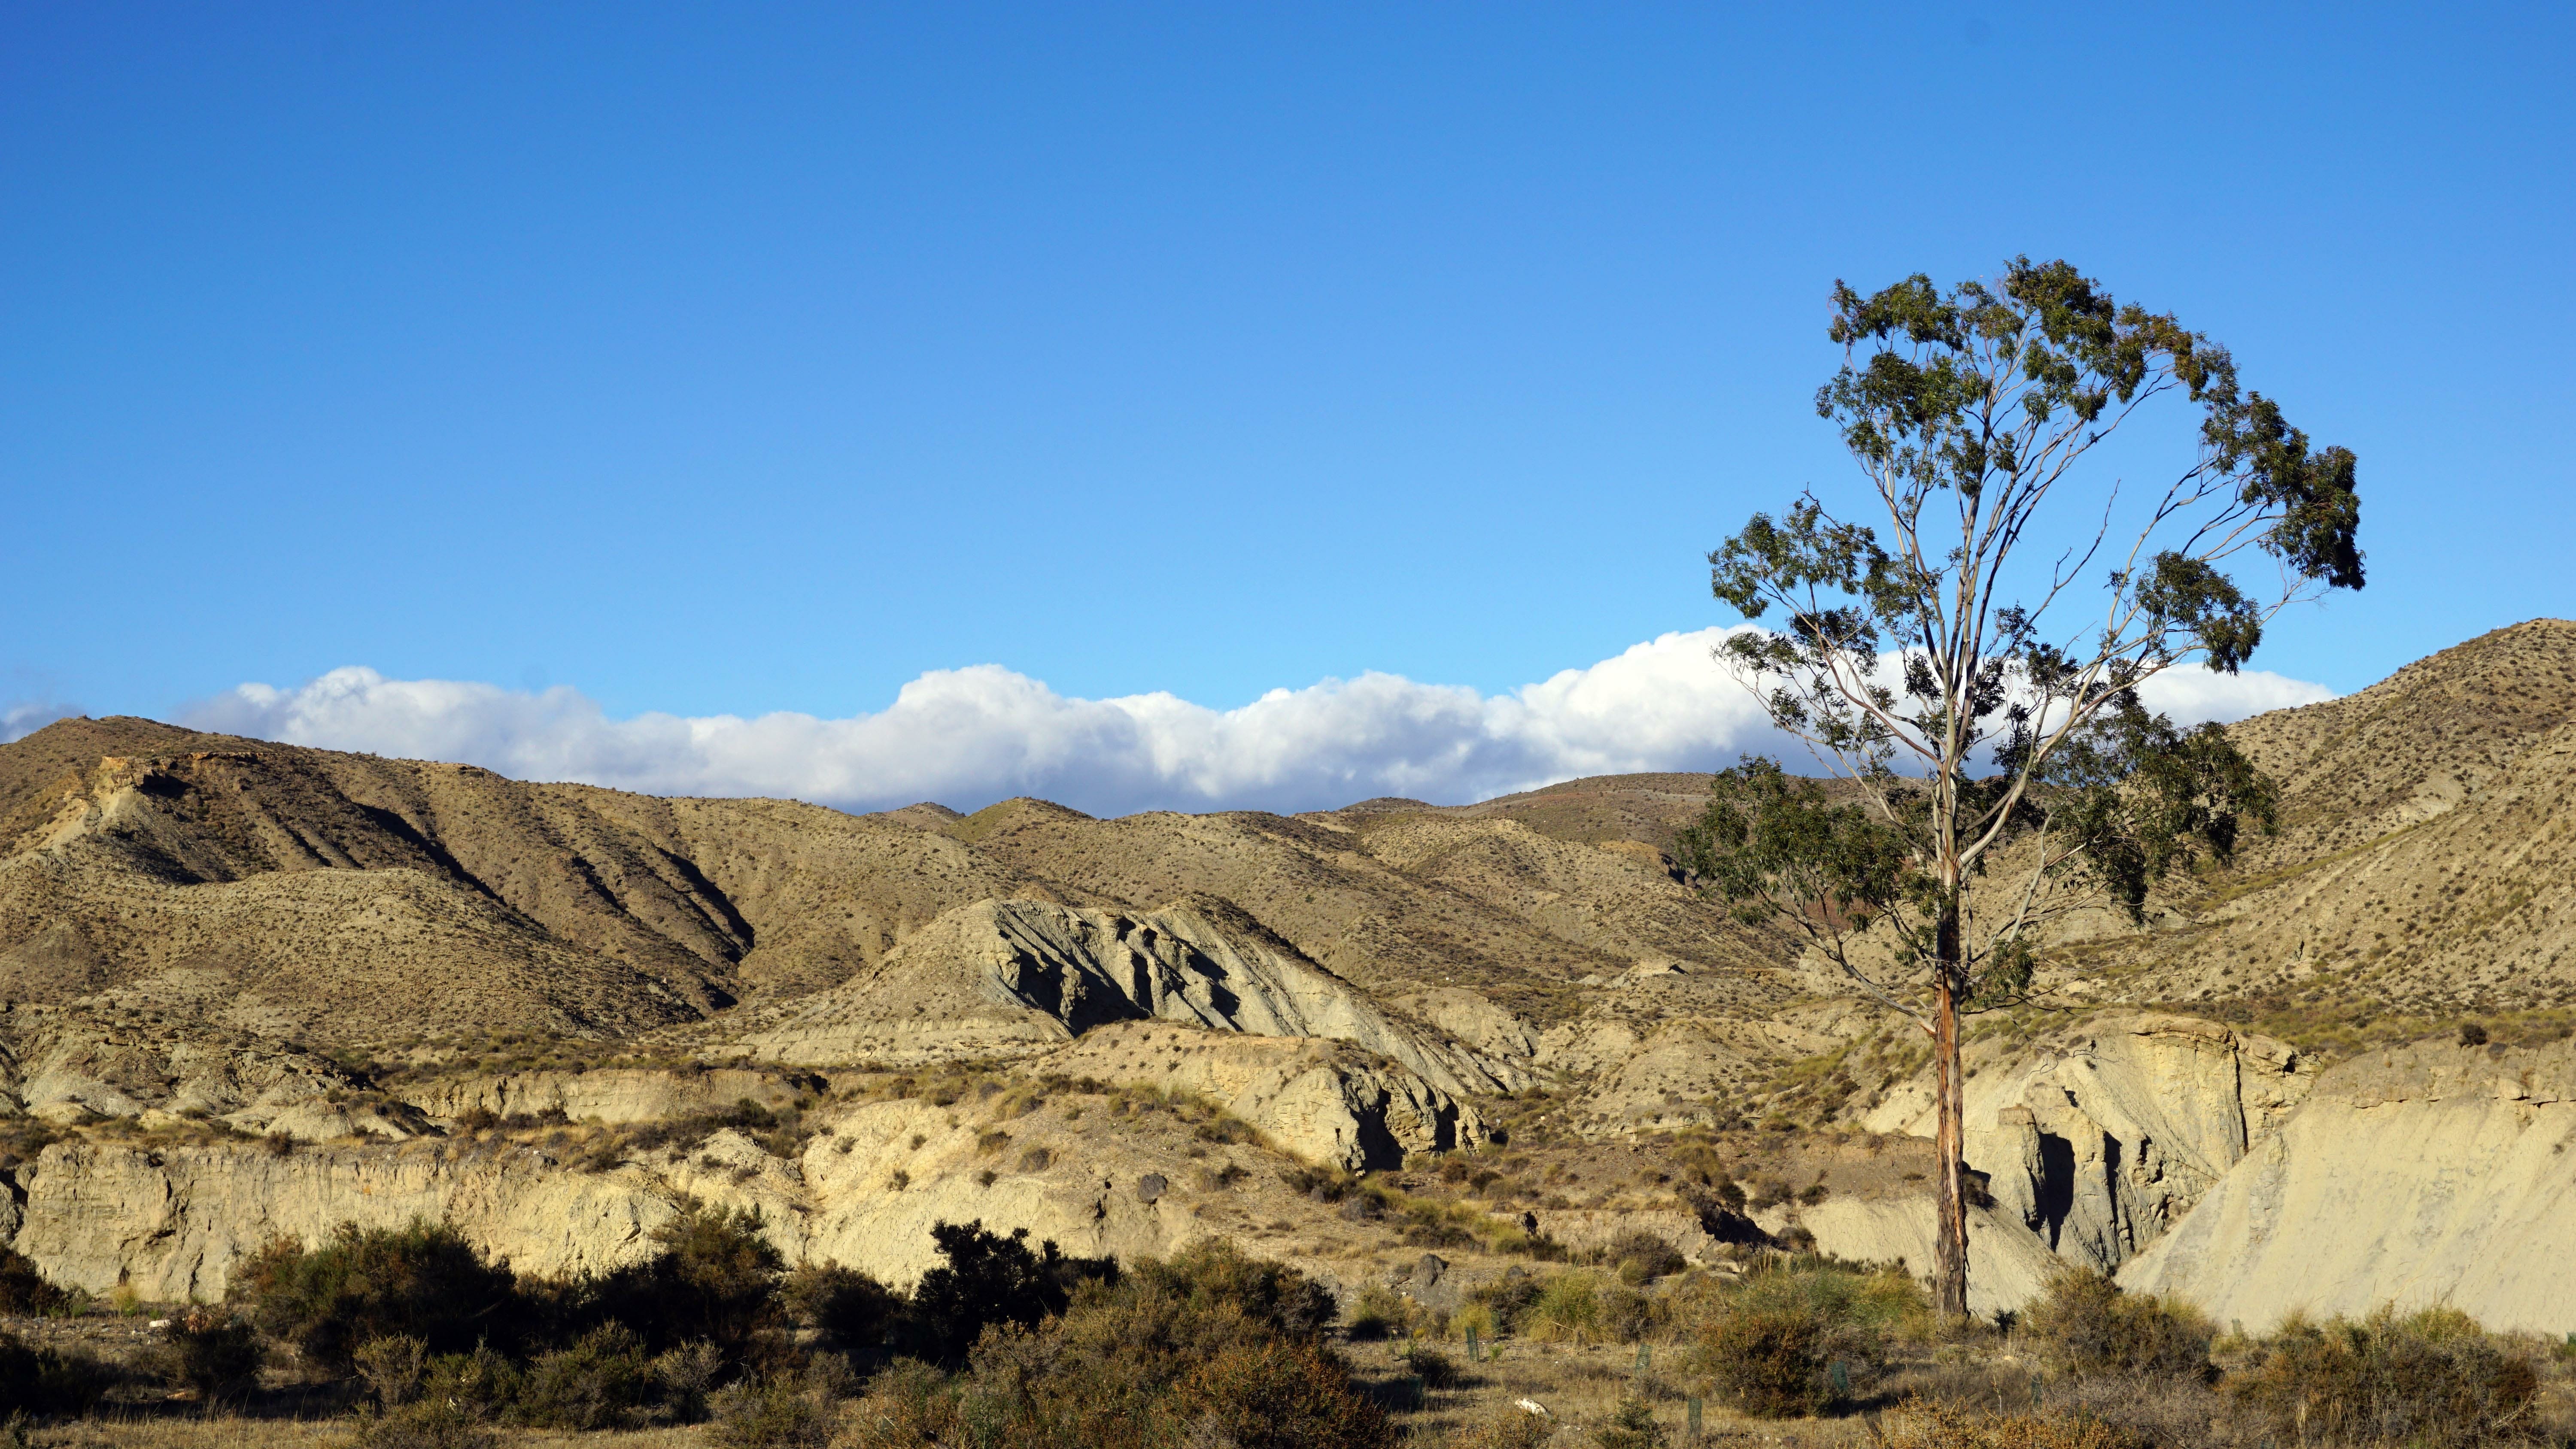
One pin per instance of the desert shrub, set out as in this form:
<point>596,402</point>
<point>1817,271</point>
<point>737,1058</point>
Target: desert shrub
<point>847,1307</point>
<point>1582,1307</point>
<point>1958,1426</point>
<point>1207,1349</point>
<point>685,1374</point>
<point>392,1367</point>
<point>1632,1426</point>
<point>1437,1370</point>
<point>1643,1257</point>
<point>989,1279</point>
<point>1381,1312</point>
<point>23,1290</point>
<point>1772,1363</point>
<point>909,1405</point>
<point>214,1353</point>
<point>784,1411</point>
<point>1280,1394</point>
<point>603,1381</point>
<point>421,1281</point>
<point>2429,1378</point>
<point>1507,1298</point>
<point>484,1383</point>
<point>1272,1294</point>
<point>48,1381</point>
<point>1770,1344</point>
<point>714,1279</point>
<point>2085,1324</point>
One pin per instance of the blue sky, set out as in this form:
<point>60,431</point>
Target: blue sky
<point>728,360</point>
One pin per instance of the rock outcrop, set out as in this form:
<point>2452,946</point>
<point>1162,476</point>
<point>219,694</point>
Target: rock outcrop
<point>2100,1140</point>
<point>2436,1173</point>
<point>1012,977</point>
<point>1318,1099</point>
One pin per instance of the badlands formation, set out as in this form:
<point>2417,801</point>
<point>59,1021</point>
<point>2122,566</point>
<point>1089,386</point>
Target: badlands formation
<point>252,990</point>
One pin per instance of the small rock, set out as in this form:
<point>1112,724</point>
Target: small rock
<point>1151,1186</point>
<point>1428,1271</point>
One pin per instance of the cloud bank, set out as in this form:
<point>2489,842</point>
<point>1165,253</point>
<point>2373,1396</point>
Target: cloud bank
<point>967,737</point>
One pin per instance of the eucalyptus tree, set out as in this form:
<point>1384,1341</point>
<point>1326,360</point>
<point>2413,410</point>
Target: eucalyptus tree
<point>1968,665</point>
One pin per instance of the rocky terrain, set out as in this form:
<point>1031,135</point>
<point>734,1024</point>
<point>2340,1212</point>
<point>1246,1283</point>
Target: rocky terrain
<point>256,990</point>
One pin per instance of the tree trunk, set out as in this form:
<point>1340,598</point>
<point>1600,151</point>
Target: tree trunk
<point>1950,1250</point>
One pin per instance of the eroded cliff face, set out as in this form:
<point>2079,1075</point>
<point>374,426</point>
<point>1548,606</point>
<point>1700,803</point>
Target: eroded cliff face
<point>2434,1173</point>
<point>170,1216</point>
<point>2100,1140</point>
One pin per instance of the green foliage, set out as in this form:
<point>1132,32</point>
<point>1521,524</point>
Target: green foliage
<point>419,1281</point>
<point>1583,1306</point>
<point>392,1368</point>
<point>1642,1257</point>
<point>603,1381</point>
<point>48,1381</point>
<point>1964,720</point>
<point>849,1309</point>
<point>784,1411</point>
<point>988,1279</point>
<point>1214,1271</point>
<point>216,1354</point>
<point>2085,1324</point>
<point>1769,1344</point>
<point>1632,1426</point>
<point>2432,1378</point>
<point>1209,1347</point>
<point>1381,1312</point>
<point>713,1280</point>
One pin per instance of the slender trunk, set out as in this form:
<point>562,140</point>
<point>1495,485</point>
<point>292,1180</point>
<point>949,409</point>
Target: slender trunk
<point>1950,1268</point>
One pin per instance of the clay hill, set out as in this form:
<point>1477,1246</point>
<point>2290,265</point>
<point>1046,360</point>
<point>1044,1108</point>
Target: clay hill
<point>253,988</point>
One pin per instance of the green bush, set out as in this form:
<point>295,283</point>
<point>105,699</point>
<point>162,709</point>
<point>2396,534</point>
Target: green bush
<point>1643,1257</point>
<point>1776,1363</point>
<point>218,1355</point>
<point>421,1281</point>
<point>1380,1312</point>
<point>2429,1378</point>
<point>986,1279</point>
<point>714,1280</point>
<point>850,1310</point>
<point>798,1411</point>
<point>1216,1271</point>
<point>482,1384</point>
<point>1769,1344</point>
<point>1584,1307</point>
<point>1632,1426</point>
<point>1207,1348</point>
<point>603,1381</point>
<point>1279,1394</point>
<point>2085,1324</point>
<point>47,1381</point>
<point>393,1368</point>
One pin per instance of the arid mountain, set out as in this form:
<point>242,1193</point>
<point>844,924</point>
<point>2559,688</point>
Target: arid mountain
<point>2427,858</point>
<point>601,999</point>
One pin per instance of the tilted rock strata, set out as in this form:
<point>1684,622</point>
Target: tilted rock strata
<point>1007,978</point>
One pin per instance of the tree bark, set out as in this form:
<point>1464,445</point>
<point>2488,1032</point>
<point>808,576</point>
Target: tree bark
<point>1950,1250</point>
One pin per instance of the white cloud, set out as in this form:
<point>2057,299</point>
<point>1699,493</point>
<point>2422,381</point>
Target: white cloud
<point>18,721</point>
<point>967,737</point>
